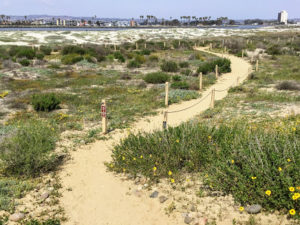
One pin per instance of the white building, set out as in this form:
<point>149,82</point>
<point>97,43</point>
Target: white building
<point>283,17</point>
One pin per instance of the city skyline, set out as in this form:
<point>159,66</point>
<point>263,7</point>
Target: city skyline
<point>134,8</point>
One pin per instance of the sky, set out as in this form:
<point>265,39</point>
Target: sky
<point>233,9</point>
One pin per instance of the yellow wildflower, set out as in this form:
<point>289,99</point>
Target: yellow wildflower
<point>172,181</point>
<point>150,156</point>
<point>292,212</point>
<point>296,196</point>
<point>124,170</point>
<point>294,129</point>
<point>253,178</point>
<point>141,156</point>
<point>232,161</point>
<point>241,208</point>
<point>154,168</point>
<point>298,188</point>
<point>134,158</point>
<point>289,160</point>
<point>268,192</point>
<point>209,137</point>
<point>177,141</point>
<point>279,169</point>
<point>170,173</point>
<point>123,158</point>
<point>292,189</point>
<point>111,166</point>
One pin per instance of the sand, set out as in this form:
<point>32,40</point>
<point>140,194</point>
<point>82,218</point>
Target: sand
<point>99,197</point>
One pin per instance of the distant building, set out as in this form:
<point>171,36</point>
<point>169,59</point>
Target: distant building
<point>283,17</point>
<point>132,23</point>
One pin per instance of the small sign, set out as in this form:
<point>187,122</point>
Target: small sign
<point>103,110</point>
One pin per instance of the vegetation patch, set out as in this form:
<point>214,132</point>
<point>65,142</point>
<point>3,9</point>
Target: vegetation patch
<point>156,78</point>
<point>45,102</point>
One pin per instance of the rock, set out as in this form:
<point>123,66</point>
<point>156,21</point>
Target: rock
<point>16,217</point>
<point>188,220</point>
<point>44,196</point>
<point>50,189</point>
<point>162,199</point>
<point>253,209</point>
<point>154,194</point>
<point>146,185</point>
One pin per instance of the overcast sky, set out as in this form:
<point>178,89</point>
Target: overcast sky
<point>235,9</point>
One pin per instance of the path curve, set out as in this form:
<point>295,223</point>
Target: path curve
<point>98,197</point>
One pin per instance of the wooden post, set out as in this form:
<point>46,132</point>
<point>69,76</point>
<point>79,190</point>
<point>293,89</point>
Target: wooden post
<point>256,67</point>
<point>115,48</point>
<point>164,44</point>
<point>238,81</point>
<point>165,120</point>
<point>104,117</point>
<point>247,41</point>
<point>179,43</point>
<point>167,94</point>
<point>278,39</point>
<point>136,46</point>
<point>225,49</point>
<point>210,46</point>
<point>243,53</point>
<point>217,71</point>
<point>200,81</point>
<point>145,45</point>
<point>212,103</point>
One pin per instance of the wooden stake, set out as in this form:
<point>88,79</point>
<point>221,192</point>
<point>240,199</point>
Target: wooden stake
<point>164,44</point>
<point>145,46</point>
<point>115,47</point>
<point>165,120</point>
<point>200,81</point>
<point>179,43</point>
<point>104,117</point>
<point>217,71</point>
<point>256,67</point>
<point>225,49</point>
<point>243,53</point>
<point>136,46</point>
<point>167,94</point>
<point>210,46</point>
<point>212,103</point>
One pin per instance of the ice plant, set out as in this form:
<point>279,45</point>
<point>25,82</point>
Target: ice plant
<point>241,208</point>
<point>253,178</point>
<point>268,192</point>
<point>292,212</point>
<point>172,181</point>
<point>279,169</point>
<point>170,173</point>
<point>292,189</point>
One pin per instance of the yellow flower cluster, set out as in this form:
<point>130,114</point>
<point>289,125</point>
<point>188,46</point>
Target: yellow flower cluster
<point>292,212</point>
<point>268,192</point>
<point>3,94</point>
<point>296,196</point>
<point>62,116</point>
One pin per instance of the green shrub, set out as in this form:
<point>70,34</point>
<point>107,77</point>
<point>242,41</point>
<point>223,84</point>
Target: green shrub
<point>186,72</point>
<point>119,57</point>
<point>223,64</point>
<point>145,52</point>
<point>28,150</point>
<point>169,66</point>
<point>176,78</point>
<point>27,53</point>
<point>184,65</point>
<point>72,49</point>
<point>71,59</point>
<point>241,159</point>
<point>140,59</point>
<point>274,50</point>
<point>47,222</point>
<point>45,102</point>
<point>153,58</point>
<point>46,50</point>
<point>288,85</point>
<point>156,78</point>
<point>133,64</point>
<point>40,56</point>
<point>24,62</point>
<point>180,85</point>
<point>178,95</point>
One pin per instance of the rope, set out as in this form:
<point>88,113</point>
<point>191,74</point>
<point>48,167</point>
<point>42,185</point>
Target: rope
<point>191,105</point>
<point>223,89</point>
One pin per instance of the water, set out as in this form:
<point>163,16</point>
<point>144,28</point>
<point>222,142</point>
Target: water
<point>244,27</point>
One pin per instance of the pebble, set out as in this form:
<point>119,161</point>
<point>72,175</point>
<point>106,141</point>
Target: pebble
<point>16,217</point>
<point>188,220</point>
<point>162,199</point>
<point>253,209</point>
<point>44,196</point>
<point>154,194</point>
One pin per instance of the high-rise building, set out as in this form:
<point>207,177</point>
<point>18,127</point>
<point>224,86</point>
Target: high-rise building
<point>283,17</point>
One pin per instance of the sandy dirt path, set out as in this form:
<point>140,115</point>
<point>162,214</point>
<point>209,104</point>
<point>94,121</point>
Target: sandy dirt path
<point>98,197</point>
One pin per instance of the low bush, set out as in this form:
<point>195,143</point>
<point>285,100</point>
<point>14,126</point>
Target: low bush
<point>178,95</point>
<point>45,102</point>
<point>180,85</point>
<point>223,64</point>
<point>176,78</point>
<point>184,64</point>
<point>22,52</point>
<point>133,64</point>
<point>24,62</point>
<point>288,85</point>
<point>186,72</point>
<point>72,49</point>
<point>156,78</point>
<point>46,50</point>
<point>274,50</point>
<point>140,59</point>
<point>47,222</point>
<point>28,151</point>
<point>145,52</point>
<point>169,66</point>
<point>257,163</point>
<point>119,57</point>
<point>71,59</point>
<point>153,58</point>
<point>40,56</point>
